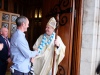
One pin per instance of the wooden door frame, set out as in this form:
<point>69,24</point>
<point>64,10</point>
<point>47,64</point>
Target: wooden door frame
<point>75,34</point>
<point>77,38</point>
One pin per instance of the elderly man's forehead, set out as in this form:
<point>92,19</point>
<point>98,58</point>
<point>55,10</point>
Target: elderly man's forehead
<point>4,28</point>
<point>49,26</point>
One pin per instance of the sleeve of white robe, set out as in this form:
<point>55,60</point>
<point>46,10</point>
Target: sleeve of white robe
<point>61,50</point>
<point>37,43</point>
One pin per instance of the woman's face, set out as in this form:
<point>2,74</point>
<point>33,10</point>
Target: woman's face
<point>49,30</point>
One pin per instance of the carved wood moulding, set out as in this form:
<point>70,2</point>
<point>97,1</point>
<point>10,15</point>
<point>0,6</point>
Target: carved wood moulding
<point>61,8</point>
<point>61,70</point>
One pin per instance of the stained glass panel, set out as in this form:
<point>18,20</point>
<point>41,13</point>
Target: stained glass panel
<point>13,28</point>
<point>13,19</point>
<point>5,24</point>
<point>5,17</point>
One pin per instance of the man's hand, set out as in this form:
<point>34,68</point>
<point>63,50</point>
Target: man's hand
<point>36,49</point>
<point>57,43</point>
<point>9,60</point>
<point>1,46</point>
<point>32,60</point>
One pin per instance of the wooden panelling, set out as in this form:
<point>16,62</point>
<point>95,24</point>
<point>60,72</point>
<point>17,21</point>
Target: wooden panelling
<point>76,52</point>
<point>7,19</point>
<point>70,28</point>
<point>65,31</point>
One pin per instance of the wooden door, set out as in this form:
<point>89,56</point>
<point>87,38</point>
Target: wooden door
<point>77,34</point>
<point>66,10</point>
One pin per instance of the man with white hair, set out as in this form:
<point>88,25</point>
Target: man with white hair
<point>4,53</point>
<point>45,44</point>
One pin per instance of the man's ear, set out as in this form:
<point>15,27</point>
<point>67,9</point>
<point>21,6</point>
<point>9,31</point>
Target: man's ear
<point>0,32</point>
<point>23,23</point>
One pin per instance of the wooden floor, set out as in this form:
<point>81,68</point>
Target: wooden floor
<point>8,69</point>
<point>8,73</point>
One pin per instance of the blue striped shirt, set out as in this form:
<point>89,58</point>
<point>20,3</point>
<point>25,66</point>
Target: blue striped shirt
<point>20,52</point>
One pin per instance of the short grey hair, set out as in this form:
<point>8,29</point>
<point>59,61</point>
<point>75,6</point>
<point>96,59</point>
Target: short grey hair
<point>20,20</point>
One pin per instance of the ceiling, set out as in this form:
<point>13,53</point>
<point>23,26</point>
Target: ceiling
<point>29,2</point>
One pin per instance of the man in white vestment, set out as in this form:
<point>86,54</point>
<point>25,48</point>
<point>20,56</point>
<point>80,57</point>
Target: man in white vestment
<point>45,44</point>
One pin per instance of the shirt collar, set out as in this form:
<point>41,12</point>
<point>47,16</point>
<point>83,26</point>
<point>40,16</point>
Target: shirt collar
<point>20,32</point>
<point>4,37</point>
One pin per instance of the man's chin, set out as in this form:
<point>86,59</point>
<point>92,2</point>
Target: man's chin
<point>25,30</point>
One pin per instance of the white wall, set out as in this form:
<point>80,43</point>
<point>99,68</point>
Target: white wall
<point>90,50</point>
